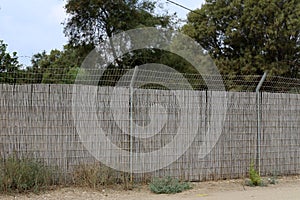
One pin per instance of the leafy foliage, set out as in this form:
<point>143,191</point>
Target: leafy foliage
<point>23,174</point>
<point>249,36</point>
<point>58,66</point>
<point>168,185</point>
<point>91,22</point>
<point>255,179</point>
<point>9,64</point>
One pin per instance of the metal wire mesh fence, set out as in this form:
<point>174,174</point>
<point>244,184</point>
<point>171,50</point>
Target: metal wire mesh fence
<point>110,77</point>
<point>149,123</point>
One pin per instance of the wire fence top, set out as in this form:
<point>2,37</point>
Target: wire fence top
<point>179,81</point>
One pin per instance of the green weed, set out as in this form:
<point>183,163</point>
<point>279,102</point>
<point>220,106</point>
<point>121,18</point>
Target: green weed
<point>23,174</point>
<point>168,185</point>
<point>255,179</point>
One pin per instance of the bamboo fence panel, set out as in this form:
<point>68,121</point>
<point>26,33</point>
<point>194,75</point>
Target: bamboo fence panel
<point>280,133</point>
<point>37,120</point>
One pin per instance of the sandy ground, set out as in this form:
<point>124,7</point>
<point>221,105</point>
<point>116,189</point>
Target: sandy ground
<point>288,188</point>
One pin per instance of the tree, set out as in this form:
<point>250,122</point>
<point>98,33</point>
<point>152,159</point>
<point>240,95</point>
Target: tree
<point>58,66</point>
<point>9,65</point>
<point>91,22</point>
<point>249,36</point>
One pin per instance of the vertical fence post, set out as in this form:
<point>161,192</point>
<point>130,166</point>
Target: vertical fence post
<point>258,107</point>
<point>131,88</point>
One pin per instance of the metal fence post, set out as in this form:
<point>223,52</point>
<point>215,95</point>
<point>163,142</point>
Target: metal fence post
<point>131,88</point>
<point>258,106</point>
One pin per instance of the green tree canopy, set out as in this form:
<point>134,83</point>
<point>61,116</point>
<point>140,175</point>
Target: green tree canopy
<point>57,66</point>
<point>249,36</point>
<point>9,64</point>
<point>90,22</point>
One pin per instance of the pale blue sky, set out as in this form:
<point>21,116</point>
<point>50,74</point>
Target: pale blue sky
<point>31,26</point>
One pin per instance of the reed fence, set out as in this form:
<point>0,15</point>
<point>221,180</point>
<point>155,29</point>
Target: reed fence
<point>39,120</point>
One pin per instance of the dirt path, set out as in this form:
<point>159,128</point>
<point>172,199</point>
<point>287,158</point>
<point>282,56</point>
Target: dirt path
<point>286,189</point>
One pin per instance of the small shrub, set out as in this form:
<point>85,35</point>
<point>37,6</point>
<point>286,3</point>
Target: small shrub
<point>255,179</point>
<point>168,185</point>
<point>273,179</point>
<point>97,175</point>
<point>23,174</point>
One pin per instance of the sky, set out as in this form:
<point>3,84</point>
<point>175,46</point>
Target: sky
<point>31,26</point>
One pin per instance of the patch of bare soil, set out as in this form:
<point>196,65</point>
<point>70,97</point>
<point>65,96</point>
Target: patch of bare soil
<point>288,188</point>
